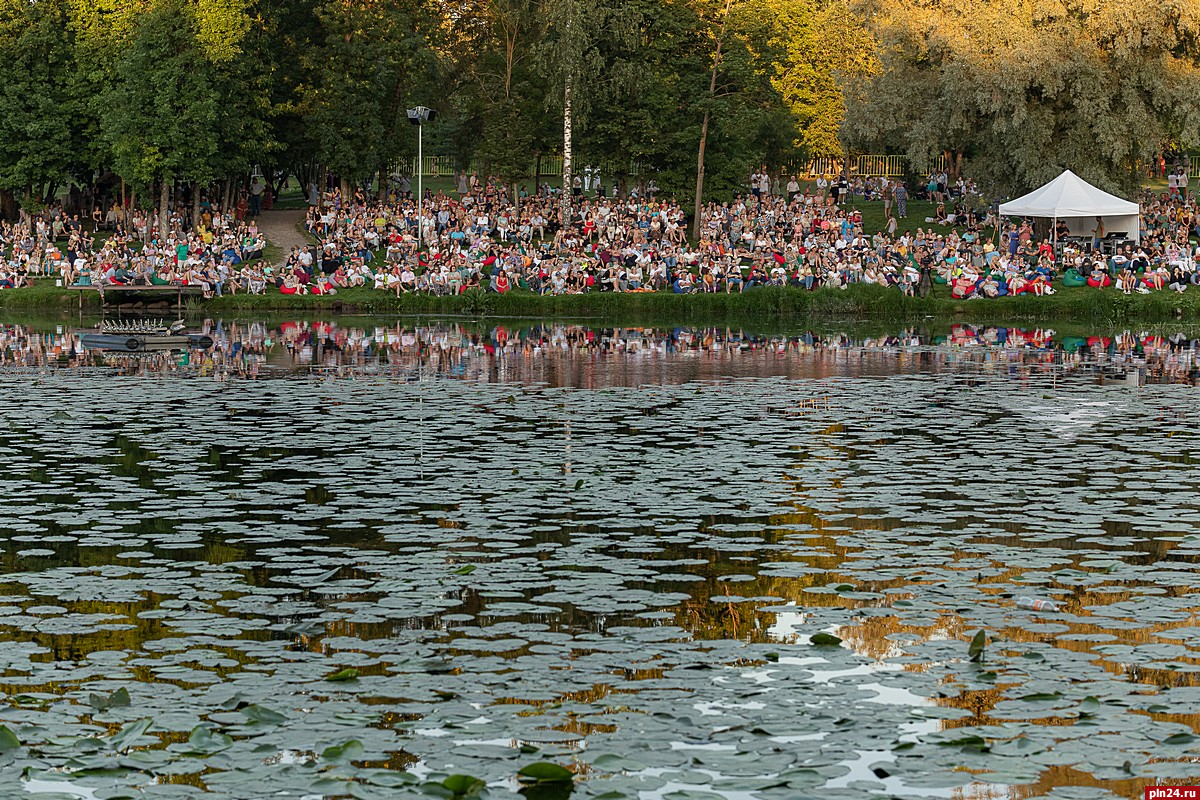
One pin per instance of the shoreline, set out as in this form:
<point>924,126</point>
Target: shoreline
<point>861,302</point>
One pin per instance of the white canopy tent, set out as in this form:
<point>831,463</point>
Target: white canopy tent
<point>1075,201</point>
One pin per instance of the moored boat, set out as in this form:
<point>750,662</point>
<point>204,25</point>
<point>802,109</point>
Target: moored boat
<point>141,335</point>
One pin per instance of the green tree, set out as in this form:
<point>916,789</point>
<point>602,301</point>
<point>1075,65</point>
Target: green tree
<point>38,109</point>
<point>372,62</point>
<point>500,93</point>
<point>160,113</point>
<point>822,46</point>
<point>1027,89</point>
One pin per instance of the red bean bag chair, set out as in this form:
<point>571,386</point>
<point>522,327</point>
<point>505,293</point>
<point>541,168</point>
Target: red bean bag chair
<point>1099,284</point>
<point>962,289</point>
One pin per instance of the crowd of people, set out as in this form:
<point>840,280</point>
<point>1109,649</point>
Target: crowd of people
<point>484,239</point>
<point>124,247</point>
<point>808,236</point>
<point>481,237</point>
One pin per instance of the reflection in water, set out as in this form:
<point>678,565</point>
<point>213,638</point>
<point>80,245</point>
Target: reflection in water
<point>659,540</point>
<point>584,356</point>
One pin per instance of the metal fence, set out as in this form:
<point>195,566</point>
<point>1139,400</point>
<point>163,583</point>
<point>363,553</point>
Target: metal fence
<point>865,165</point>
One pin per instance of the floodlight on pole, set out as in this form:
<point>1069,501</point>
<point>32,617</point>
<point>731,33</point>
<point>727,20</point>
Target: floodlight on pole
<point>419,116</point>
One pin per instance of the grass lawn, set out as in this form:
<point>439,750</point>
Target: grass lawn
<point>1105,308</point>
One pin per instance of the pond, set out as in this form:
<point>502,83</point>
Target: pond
<point>380,560</point>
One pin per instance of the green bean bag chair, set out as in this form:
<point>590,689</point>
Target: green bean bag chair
<point>937,278</point>
<point>1073,343</point>
<point>1073,278</point>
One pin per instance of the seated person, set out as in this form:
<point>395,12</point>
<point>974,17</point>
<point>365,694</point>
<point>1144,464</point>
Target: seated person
<point>1126,280</point>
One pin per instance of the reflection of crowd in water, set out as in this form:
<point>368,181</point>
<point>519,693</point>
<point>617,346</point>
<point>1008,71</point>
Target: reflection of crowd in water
<point>504,353</point>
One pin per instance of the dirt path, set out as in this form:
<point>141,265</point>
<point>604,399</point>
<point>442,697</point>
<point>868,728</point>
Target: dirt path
<point>282,229</point>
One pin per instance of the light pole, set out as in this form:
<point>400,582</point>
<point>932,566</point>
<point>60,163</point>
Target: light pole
<point>419,116</point>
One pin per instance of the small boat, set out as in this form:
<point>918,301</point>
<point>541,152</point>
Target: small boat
<point>144,335</point>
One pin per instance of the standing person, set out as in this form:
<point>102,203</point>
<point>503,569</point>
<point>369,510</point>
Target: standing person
<point>1173,184</point>
<point>887,201</point>
<point>755,187</point>
<point>1181,182</point>
<point>257,187</point>
<point>461,184</point>
<point>1097,234</point>
<point>902,201</point>
<point>764,182</point>
<point>793,189</point>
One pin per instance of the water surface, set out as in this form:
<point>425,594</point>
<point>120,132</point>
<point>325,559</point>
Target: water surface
<point>605,549</point>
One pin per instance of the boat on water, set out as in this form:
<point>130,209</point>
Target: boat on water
<point>142,335</point>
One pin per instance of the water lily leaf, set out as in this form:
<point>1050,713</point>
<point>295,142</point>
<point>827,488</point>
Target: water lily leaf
<point>545,772</point>
<point>465,570</point>
<point>204,741</point>
<point>347,674</point>
<point>128,734</point>
<point>263,715</point>
<point>975,649</point>
<point>344,752</point>
<point>464,786</point>
<point>8,739</point>
<point>825,640</point>
<point>1180,738</point>
<point>118,699</point>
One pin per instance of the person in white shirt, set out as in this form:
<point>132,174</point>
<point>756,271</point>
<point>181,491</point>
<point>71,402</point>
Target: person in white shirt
<point>755,185</point>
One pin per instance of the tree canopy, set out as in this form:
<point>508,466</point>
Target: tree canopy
<point>158,93</point>
<point>1027,88</point>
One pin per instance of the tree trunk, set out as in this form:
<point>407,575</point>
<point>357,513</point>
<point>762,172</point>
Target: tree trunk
<point>712,93</point>
<point>195,204</point>
<point>700,174</point>
<point>566,193</point>
<point>225,195</point>
<point>164,210</point>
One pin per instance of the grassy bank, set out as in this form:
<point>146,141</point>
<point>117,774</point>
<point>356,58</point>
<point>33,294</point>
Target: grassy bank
<point>858,302</point>
<point>1082,305</point>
